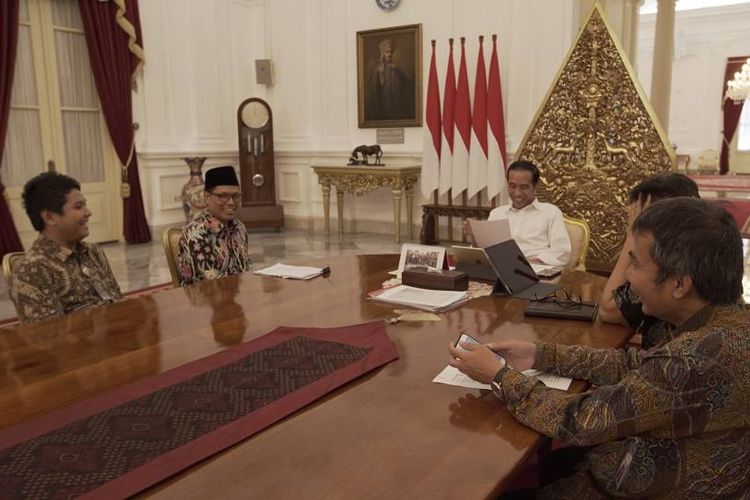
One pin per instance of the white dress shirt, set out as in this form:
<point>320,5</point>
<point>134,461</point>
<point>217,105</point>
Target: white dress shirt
<point>539,231</point>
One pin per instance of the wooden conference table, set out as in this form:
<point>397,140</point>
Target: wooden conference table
<point>392,433</point>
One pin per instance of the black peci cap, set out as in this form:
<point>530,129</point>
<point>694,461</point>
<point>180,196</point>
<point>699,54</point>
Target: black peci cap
<point>221,176</point>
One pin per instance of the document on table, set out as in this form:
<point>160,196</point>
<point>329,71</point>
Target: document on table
<point>451,376</point>
<point>540,268</point>
<point>293,272</point>
<point>430,300</point>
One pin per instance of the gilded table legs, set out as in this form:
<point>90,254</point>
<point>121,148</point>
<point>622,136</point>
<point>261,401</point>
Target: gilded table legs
<point>397,213</point>
<point>327,207</point>
<point>340,207</point>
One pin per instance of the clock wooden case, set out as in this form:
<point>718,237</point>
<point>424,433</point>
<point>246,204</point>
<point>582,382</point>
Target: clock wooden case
<point>257,174</point>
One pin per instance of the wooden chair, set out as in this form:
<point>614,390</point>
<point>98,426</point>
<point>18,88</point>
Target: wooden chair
<point>11,260</point>
<point>580,237</point>
<point>170,239</point>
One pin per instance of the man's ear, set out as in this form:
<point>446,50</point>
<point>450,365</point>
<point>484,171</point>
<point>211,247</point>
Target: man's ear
<point>49,218</point>
<point>682,287</point>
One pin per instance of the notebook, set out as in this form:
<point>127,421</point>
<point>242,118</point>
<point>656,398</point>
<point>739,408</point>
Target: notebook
<point>515,275</point>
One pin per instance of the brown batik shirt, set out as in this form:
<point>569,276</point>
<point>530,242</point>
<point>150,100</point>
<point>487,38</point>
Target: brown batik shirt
<point>52,280</point>
<point>671,422</point>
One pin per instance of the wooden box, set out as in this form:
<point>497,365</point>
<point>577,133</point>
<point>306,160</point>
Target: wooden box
<point>421,277</point>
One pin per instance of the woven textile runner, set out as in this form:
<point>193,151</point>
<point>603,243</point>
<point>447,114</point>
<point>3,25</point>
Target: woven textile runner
<point>123,441</point>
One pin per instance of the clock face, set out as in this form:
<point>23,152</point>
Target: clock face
<point>387,5</point>
<point>255,115</point>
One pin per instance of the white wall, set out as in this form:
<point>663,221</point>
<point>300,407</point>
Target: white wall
<point>704,38</point>
<point>200,65</point>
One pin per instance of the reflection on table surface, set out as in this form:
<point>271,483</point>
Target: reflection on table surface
<point>389,433</point>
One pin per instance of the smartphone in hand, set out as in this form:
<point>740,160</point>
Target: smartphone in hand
<point>465,338</point>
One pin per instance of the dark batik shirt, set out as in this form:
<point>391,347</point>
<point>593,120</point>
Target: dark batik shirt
<point>210,249</point>
<point>52,280</point>
<point>672,422</point>
<point>653,330</point>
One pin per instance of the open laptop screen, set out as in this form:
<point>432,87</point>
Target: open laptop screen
<point>511,266</point>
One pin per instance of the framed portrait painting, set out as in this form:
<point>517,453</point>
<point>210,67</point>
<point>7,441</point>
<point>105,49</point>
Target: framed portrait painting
<point>389,77</point>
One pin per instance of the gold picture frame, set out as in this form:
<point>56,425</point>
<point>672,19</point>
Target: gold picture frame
<point>389,77</point>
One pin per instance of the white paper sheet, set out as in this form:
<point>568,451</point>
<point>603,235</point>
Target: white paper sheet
<point>294,272</point>
<point>451,376</point>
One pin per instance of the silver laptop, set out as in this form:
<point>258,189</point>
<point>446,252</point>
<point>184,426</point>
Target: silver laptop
<point>474,262</point>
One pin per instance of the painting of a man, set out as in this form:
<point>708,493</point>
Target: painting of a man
<point>389,65</point>
<point>390,91</point>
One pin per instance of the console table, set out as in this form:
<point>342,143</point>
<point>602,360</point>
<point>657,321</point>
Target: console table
<point>360,180</point>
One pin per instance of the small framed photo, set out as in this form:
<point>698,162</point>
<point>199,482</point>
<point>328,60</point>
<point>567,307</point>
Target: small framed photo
<point>431,257</point>
<point>389,77</point>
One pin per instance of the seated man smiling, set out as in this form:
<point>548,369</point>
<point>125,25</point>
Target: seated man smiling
<point>60,273</point>
<point>215,244</point>
<point>672,422</point>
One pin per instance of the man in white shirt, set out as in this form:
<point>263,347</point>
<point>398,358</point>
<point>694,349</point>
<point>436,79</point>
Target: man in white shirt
<point>537,227</point>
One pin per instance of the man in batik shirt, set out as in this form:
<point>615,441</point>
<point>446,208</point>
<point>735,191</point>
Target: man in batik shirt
<point>671,422</point>
<point>60,273</point>
<point>215,244</point>
<point>619,303</point>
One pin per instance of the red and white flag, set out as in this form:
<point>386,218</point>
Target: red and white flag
<point>432,133</point>
<point>462,113</point>
<point>496,155</point>
<point>478,151</point>
<point>446,150</point>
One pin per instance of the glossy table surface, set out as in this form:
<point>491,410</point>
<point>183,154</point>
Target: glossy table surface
<point>390,433</point>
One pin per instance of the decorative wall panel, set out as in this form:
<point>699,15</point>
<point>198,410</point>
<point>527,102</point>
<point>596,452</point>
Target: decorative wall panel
<point>594,137</point>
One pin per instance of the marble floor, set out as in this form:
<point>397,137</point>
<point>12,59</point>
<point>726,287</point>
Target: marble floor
<point>144,265</point>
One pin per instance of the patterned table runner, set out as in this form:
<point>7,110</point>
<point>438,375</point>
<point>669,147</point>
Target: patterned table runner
<point>123,441</point>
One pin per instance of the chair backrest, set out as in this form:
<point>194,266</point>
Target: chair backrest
<point>708,160</point>
<point>580,236</point>
<point>746,228</point>
<point>10,261</point>
<point>171,240</point>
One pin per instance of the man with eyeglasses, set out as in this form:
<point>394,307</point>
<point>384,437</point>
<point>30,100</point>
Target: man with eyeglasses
<point>215,244</point>
<point>670,422</point>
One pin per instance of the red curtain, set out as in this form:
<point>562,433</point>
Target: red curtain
<point>732,112</point>
<point>9,241</point>
<point>113,64</point>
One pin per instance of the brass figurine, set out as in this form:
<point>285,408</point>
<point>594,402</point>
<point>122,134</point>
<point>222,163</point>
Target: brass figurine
<point>361,153</point>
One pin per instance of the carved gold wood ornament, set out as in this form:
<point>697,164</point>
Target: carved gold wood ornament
<point>594,137</point>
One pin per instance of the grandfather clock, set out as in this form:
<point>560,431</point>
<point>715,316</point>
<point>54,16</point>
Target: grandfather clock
<point>257,176</point>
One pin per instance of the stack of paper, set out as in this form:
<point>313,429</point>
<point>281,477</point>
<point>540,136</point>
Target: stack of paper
<point>294,272</point>
<point>421,298</point>
<point>451,376</point>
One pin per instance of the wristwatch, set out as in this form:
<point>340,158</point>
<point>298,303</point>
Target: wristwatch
<point>496,384</point>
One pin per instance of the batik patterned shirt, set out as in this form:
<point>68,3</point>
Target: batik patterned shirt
<point>672,422</point>
<point>52,280</point>
<point>210,249</point>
